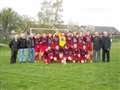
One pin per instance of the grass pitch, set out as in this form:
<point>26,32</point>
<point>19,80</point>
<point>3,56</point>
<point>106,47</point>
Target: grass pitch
<point>87,76</point>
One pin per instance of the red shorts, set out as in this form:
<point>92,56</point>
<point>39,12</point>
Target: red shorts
<point>69,45</point>
<point>66,57</point>
<point>75,57</point>
<point>54,45</point>
<point>80,46</point>
<point>37,48</point>
<point>70,58</point>
<point>82,58</point>
<point>43,48</point>
<point>89,47</point>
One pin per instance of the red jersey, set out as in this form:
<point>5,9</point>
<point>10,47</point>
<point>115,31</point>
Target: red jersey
<point>88,41</point>
<point>80,42</point>
<point>69,41</point>
<point>43,44</point>
<point>55,41</point>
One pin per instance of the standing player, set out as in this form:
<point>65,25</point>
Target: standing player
<point>89,44</point>
<point>44,43</point>
<point>62,40</point>
<point>69,40</point>
<point>80,40</point>
<point>37,47</point>
<point>75,38</point>
<point>55,42</point>
<point>49,40</point>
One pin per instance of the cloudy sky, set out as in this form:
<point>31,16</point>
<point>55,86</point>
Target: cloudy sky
<point>82,12</point>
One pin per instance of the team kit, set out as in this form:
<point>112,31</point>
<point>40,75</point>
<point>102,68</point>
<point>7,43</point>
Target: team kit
<point>56,48</point>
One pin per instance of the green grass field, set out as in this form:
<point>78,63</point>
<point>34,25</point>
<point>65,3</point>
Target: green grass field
<point>88,76</point>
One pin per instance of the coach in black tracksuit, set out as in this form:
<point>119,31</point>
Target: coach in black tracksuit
<point>106,45</point>
<point>14,50</point>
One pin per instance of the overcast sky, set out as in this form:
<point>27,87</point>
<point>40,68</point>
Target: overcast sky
<point>82,12</point>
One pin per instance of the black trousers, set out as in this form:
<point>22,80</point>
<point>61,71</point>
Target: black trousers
<point>105,55</point>
<point>13,56</point>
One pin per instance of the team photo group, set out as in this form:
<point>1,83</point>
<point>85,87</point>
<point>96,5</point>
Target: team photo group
<point>75,47</point>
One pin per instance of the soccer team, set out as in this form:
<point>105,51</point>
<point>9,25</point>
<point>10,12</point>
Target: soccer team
<point>67,47</point>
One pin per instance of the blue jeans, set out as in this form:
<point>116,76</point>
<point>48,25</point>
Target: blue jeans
<point>96,55</point>
<point>22,55</point>
<point>31,54</point>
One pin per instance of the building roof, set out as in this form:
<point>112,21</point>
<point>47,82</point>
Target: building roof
<point>106,28</point>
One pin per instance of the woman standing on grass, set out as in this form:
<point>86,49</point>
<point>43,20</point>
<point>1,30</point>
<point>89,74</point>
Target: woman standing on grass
<point>14,49</point>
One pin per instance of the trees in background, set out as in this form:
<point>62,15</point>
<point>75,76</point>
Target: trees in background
<point>50,12</point>
<point>8,20</point>
<point>12,21</point>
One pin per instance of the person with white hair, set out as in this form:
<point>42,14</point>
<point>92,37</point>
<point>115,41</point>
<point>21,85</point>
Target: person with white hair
<point>106,46</point>
<point>14,49</point>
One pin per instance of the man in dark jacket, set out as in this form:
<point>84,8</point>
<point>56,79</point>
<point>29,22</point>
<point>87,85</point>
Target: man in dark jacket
<point>14,49</point>
<point>96,47</point>
<point>22,44</point>
<point>30,46</point>
<point>106,45</point>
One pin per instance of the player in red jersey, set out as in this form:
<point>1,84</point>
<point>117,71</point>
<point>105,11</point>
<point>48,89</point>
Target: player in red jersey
<point>44,43</point>
<point>69,40</point>
<point>83,54</point>
<point>75,53</point>
<point>70,54</point>
<point>56,54</point>
<point>75,38</point>
<point>49,40</point>
<point>48,55</point>
<point>80,40</point>
<point>55,42</point>
<point>37,47</point>
<point>65,54</point>
<point>61,55</point>
<point>89,44</point>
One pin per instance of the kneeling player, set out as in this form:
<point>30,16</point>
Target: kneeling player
<point>83,54</point>
<point>61,56</point>
<point>65,54</point>
<point>56,54</point>
<point>75,53</point>
<point>70,54</point>
<point>48,55</point>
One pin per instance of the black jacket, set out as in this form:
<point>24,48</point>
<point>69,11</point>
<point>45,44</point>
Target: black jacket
<point>13,44</point>
<point>106,43</point>
<point>30,42</point>
<point>22,43</point>
<point>97,43</point>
